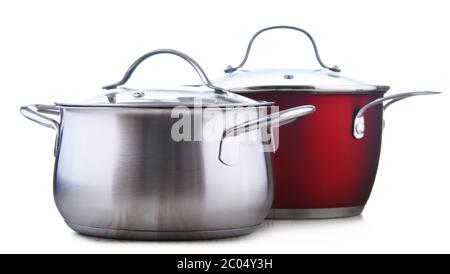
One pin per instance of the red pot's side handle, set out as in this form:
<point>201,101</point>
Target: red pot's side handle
<point>273,120</point>
<point>231,69</point>
<point>36,112</point>
<point>359,124</point>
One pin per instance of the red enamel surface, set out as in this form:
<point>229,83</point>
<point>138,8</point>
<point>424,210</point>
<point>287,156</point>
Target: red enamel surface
<point>319,164</point>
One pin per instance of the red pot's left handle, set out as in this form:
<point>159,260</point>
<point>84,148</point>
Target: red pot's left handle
<point>359,124</point>
<point>36,112</point>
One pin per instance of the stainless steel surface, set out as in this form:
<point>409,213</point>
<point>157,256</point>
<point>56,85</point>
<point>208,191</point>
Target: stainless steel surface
<point>182,55</point>
<point>359,124</point>
<point>230,69</point>
<point>161,235</point>
<point>119,169</point>
<point>315,213</point>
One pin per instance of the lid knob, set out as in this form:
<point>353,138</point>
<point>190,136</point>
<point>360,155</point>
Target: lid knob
<point>335,68</point>
<point>229,69</point>
<point>138,94</point>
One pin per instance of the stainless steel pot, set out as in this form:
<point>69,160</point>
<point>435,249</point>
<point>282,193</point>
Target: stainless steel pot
<point>120,173</point>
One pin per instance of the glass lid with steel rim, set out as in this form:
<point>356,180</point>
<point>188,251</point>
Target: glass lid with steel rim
<point>207,95</point>
<point>325,80</point>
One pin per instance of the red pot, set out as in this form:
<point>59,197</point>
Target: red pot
<point>326,164</point>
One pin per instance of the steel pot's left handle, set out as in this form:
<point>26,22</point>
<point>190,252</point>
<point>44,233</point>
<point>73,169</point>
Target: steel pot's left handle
<point>359,124</point>
<point>273,120</point>
<point>36,112</point>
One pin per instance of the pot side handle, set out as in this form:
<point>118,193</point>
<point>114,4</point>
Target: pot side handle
<point>35,114</point>
<point>359,124</point>
<point>273,120</point>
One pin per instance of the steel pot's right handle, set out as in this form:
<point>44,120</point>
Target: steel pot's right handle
<point>273,120</point>
<point>230,69</point>
<point>359,124</point>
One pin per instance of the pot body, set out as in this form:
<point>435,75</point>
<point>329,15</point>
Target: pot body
<point>120,174</point>
<point>320,169</point>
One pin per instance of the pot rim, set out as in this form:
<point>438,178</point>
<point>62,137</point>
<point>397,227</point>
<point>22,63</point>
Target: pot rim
<point>165,106</point>
<point>379,89</point>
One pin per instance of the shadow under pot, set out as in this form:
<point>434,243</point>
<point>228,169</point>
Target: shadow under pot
<point>325,165</point>
<point>187,163</point>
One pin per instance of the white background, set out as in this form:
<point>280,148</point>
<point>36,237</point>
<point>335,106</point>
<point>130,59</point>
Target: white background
<point>52,50</point>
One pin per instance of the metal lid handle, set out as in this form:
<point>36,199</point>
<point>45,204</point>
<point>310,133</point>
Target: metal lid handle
<point>182,55</point>
<point>230,69</point>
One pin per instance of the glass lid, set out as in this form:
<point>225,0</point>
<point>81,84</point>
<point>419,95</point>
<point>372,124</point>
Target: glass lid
<point>326,80</point>
<point>207,95</point>
<point>320,80</point>
<point>185,96</point>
